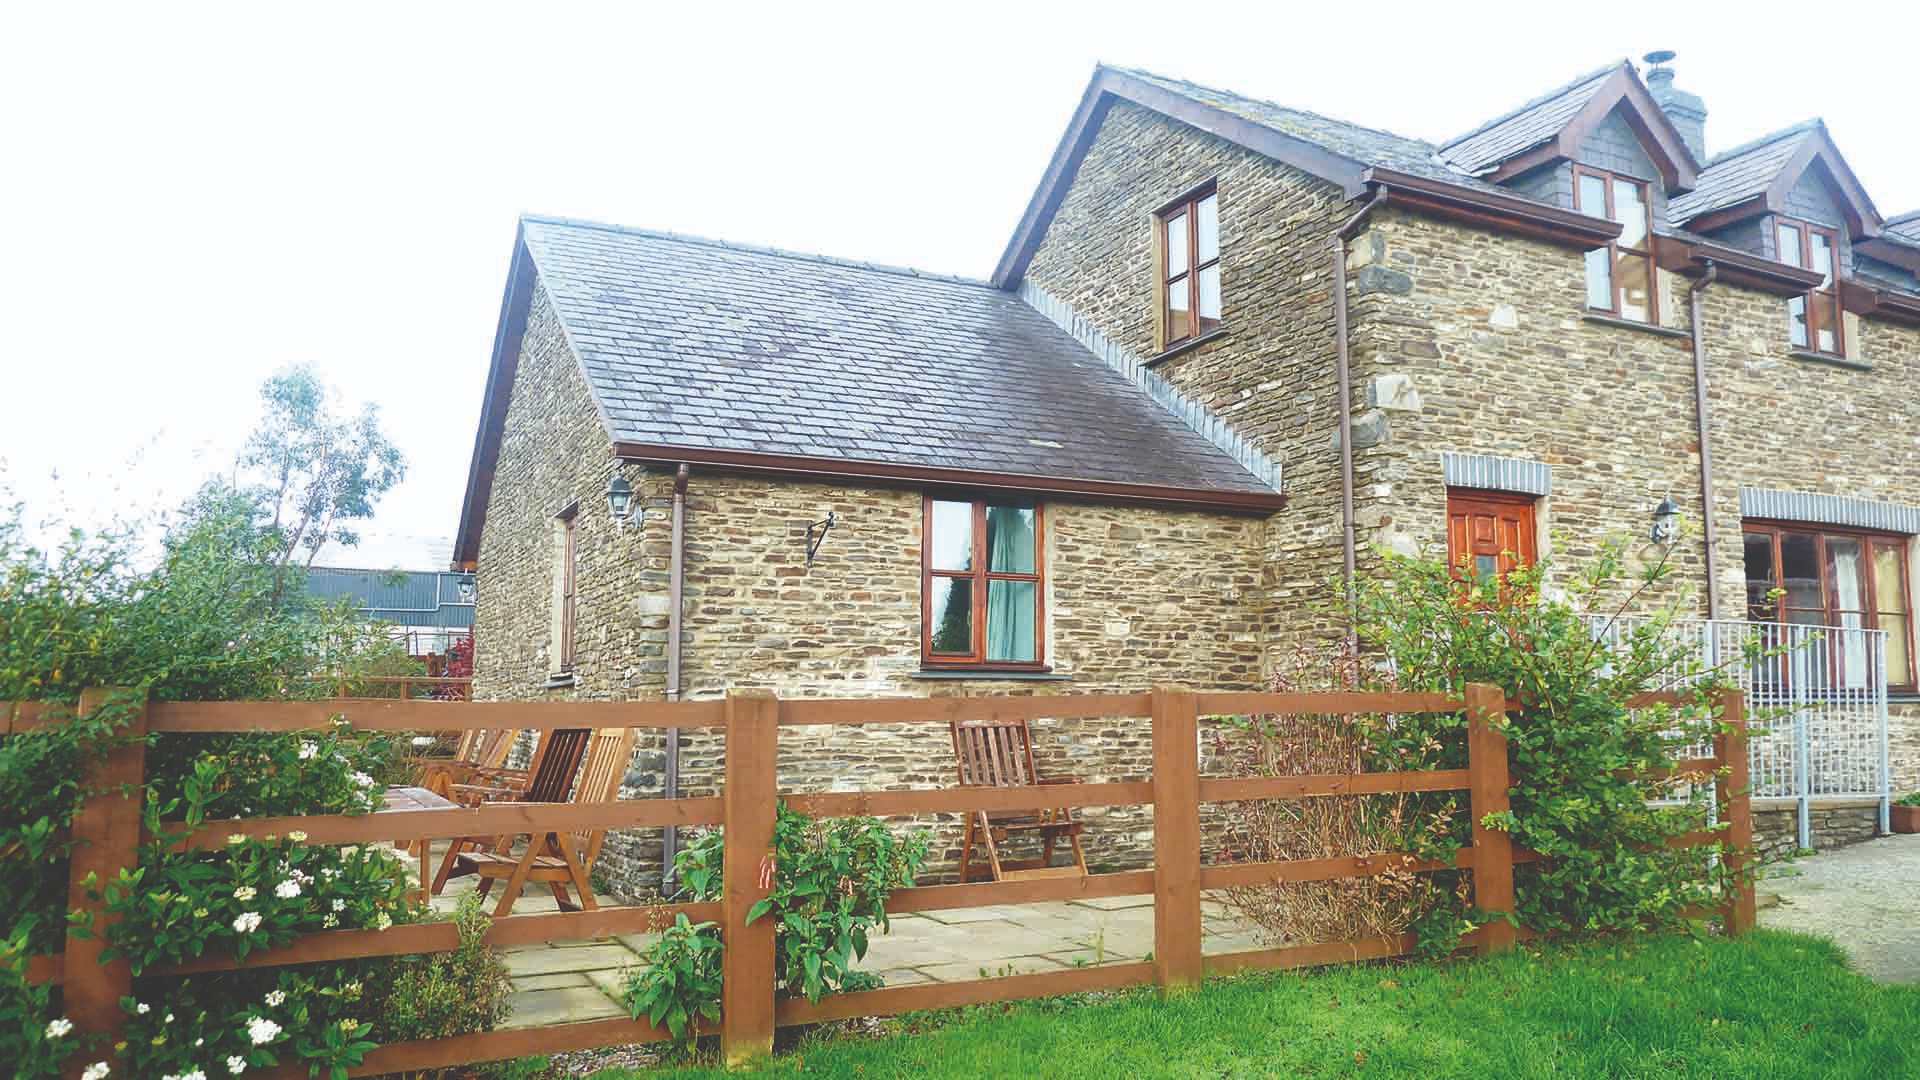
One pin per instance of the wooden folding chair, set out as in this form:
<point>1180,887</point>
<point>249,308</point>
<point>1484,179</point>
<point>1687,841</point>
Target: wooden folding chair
<point>999,753</point>
<point>480,761</point>
<point>562,858</point>
<point>555,761</point>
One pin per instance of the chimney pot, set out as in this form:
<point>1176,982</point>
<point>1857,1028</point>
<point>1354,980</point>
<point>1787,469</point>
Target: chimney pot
<point>1687,112</point>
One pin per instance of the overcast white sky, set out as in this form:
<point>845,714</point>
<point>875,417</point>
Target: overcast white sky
<point>200,194</point>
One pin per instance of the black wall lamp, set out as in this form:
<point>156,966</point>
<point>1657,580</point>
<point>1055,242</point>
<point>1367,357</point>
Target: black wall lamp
<point>817,535</point>
<point>1666,521</point>
<point>619,498</point>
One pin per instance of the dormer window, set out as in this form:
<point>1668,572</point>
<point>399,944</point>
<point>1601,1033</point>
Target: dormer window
<point>1813,320</point>
<point>1619,276</point>
<point>1190,267</point>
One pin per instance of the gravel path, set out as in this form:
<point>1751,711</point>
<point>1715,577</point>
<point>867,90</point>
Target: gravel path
<point>1866,897</point>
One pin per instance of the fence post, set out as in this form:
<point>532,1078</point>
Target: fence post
<point>749,802</point>
<point>1487,794</point>
<point>1733,791</point>
<point>106,835</point>
<point>1176,838</point>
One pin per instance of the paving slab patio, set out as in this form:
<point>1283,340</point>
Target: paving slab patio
<point>566,982</point>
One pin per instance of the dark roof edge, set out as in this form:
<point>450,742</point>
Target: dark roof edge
<point>1484,208</point>
<point>1109,84</point>
<point>1875,302</point>
<point>751,249</point>
<point>514,304</point>
<point>800,465</point>
<point>1692,256</point>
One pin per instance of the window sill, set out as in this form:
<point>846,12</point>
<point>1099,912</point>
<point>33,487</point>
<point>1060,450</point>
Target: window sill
<point>558,682</point>
<point>1902,697</point>
<point>1187,346</point>
<point>1808,357</point>
<point>987,675</point>
<point>1600,319</point>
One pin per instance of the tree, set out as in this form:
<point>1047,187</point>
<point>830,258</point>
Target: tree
<point>316,471</point>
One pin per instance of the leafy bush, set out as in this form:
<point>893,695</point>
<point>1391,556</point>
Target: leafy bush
<point>831,880</point>
<point>1912,799</point>
<point>430,997</point>
<point>1578,755</point>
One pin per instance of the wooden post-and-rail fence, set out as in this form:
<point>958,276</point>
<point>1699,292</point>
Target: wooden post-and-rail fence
<point>108,831</point>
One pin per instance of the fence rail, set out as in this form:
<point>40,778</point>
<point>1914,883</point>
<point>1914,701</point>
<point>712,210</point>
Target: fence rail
<point>109,830</point>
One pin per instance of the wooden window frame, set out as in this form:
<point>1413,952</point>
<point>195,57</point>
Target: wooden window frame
<point>1614,248</point>
<point>1188,204</point>
<point>569,590</point>
<point>1806,231</point>
<point>976,660</point>
<point>1869,540</point>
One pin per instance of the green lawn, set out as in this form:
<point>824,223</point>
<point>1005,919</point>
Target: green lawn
<point>1771,1005</point>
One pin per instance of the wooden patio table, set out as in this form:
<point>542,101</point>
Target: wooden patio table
<point>403,799</point>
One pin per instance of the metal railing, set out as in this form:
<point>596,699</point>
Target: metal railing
<point>1817,696</point>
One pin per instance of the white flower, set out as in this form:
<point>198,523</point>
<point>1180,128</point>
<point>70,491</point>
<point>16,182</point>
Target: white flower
<point>167,1019</point>
<point>194,1075</point>
<point>350,851</point>
<point>199,1042</point>
<point>57,1028</point>
<point>339,904</point>
<point>363,779</point>
<point>275,997</point>
<point>287,889</point>
<point>247,923</point>
<point>382,921</point>
<point>244,893</point>
<point>308,749</point>
<point>297,836</point>
<point>236,838</point>
<point>96,1071</point>
<point>143,1008</point>
<point>329,872</point>
<point>236,1064</point>
<point>262,1031</point>
<point>330,921</point>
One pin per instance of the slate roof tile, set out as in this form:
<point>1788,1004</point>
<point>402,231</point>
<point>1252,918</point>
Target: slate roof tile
<point>688,341</point>
<point>1740,173</point>
<point>1525,127</point>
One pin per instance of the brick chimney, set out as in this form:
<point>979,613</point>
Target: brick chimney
<point>1687,111</point>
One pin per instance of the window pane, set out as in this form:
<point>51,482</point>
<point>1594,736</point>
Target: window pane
<point>1592,196</point>
<point>1208,226</point>
<point>951,535</point>
<point>951,611</point>
<point>1178,323</point>
<point>1846,570</point>
<point>1011,621</point>
<point>1630,210</point>
<point>1800,565</point>
<point>1176,244</point>
<point>1787,238</point>
<point>1600,279</point>
<point>1210,297</point>
<point>1797,321</point>
<point>1010,539</point>
<point>1899,649</point>
<point>1890,579</point>
<point>1636,287</point>
<point>1822,256</point>
<point>1760,578</point>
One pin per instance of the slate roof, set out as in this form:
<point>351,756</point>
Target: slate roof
<point>1740,173</point>
<point>1528,126</point>
<point>1369,146</point>
<point>1903,228</point>
<point>697,343</point>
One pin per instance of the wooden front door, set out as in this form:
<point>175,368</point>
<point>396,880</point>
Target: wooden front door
<point>1489,533</point>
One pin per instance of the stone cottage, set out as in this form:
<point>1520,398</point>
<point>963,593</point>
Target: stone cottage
<point>1140,451</point>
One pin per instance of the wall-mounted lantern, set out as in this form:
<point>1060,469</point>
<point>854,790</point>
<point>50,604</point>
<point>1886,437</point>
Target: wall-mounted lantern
<point>619,498</point>
<point>1666,521</point>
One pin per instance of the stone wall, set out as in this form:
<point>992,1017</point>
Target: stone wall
<point>1270,374</point>
<point>1776,829</point>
